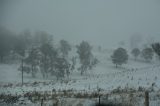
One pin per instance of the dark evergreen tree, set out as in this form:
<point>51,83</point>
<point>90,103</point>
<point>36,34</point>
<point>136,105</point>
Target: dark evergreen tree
<point>119,56</point>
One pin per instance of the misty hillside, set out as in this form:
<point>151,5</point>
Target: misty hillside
<point>79,53</point>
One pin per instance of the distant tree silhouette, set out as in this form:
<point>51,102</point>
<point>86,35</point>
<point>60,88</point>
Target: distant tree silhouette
<point>147,54</point>
<point>156,48</point>
<point>135,52</point>
<point>84,51</point>
<point>119,56</point>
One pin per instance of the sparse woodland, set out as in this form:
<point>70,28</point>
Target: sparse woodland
<point>39,54</point>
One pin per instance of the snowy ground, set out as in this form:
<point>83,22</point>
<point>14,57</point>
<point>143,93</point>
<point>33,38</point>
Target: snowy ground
<point>134,74</point>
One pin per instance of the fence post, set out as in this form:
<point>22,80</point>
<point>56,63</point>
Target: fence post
<point>99,100</point>
<point>41,102</point>
<point>22,71</point>
<point>146,98</point>
<point>99,97</point>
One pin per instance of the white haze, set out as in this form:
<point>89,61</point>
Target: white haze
<point>101,22</point>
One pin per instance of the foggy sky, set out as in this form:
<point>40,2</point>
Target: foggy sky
<point>101,22</point>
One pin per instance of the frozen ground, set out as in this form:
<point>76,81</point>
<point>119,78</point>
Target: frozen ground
<point>105,76</point>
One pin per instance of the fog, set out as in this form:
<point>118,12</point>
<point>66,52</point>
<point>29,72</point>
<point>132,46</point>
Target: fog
<point>101,22</point>
<point>79,52</point>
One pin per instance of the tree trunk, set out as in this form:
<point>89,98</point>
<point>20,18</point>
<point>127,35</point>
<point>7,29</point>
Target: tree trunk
<point>41,102</point>
<point>146,98</point>
<point>22,72</point>
<point>99,101</point>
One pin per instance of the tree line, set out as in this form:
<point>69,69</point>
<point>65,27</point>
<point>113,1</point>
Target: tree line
<point>38,53</point>
<point>120,55</point>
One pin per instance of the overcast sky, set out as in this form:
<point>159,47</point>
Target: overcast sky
<point>101,22</point>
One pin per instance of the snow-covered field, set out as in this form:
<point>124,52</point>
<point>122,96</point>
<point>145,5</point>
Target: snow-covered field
<point>135,74</point>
